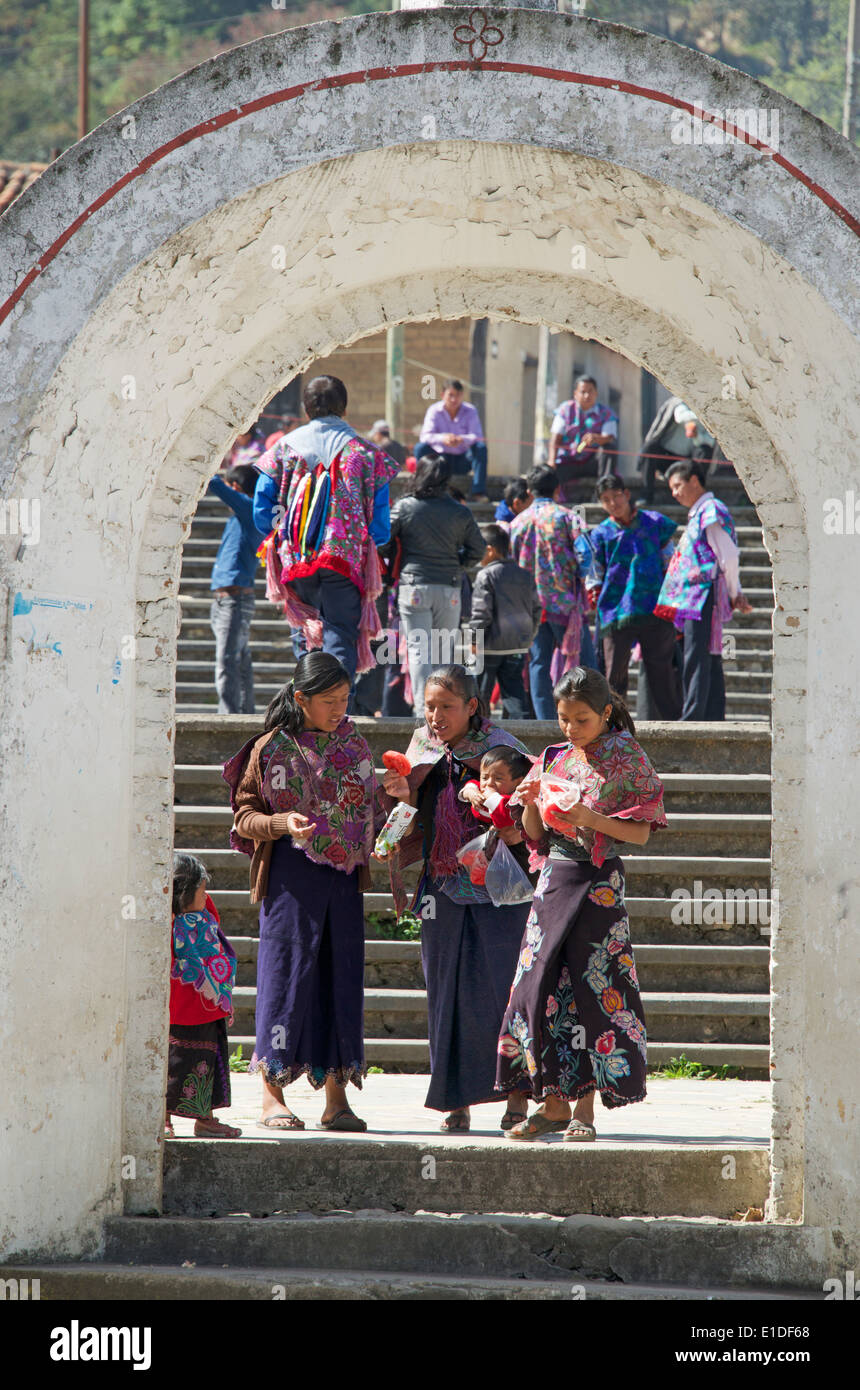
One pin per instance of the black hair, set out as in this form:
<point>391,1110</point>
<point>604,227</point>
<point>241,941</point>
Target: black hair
<point>188,874</point>
<point>453,383</point>
<point>517,763</point>
<point>316,672</point>
<point>516,491</point>
<point>611,482</point>
<point>324,395</point>
<point>496,536</point>
<point>244,475</point>
<point>542,481</point>
<point>592,687</point>
<point>432,476</point>
<point>458,680</point>
<point>581,379</point>
<point>685,469</point>
<point>457,495</point>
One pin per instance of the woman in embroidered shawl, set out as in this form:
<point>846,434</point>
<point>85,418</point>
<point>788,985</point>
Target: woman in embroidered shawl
<point>574,1023</point>
<point>469,947</point>
<point>303,797</point>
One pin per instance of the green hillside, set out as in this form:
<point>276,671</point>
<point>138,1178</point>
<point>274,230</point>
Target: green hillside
<point>797,46</point>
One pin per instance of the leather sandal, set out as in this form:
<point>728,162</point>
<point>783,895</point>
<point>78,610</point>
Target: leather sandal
<point>458,1122</point>
<point>511,1118</point>
<point>579,1132</point>
<point>345,1121</point>
<point>535,1127</point>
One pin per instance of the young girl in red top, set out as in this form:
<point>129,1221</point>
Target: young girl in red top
<point>202,974</point>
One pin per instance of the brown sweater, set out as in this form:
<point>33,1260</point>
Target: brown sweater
<point>254,821</point>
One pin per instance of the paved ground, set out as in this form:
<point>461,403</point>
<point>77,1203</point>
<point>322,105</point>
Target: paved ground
<point>675,1112</point>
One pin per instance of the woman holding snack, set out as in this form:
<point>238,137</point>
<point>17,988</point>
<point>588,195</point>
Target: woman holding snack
<point>574,1024</point>
<point>303,796</point>
<point>469,948</point>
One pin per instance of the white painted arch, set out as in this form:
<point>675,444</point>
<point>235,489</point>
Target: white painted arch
<point>702,263</point>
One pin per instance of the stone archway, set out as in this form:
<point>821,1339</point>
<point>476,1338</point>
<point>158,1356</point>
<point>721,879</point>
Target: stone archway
<point>179,276</point>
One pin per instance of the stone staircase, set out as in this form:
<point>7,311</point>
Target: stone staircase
<point>377,1254</point>
<point>404,1216</point>
<point>705,981</point>
<point>749,650</point>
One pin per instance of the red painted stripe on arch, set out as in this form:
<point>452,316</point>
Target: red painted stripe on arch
<point>349,79</point>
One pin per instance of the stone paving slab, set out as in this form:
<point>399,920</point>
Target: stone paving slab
<point>734,1113</point>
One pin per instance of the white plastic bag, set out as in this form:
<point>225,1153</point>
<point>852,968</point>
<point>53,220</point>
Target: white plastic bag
<point>473,856</point>
<point>558,795</point>
<point>505,881</point>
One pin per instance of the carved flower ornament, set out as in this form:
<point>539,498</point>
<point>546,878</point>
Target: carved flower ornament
<point>478,35</point>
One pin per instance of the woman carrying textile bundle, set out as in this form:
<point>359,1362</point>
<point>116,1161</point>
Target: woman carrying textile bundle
<point>469,947</point>
<point>325,491</point>
<point>303,797</point>
<point>574,1022</point>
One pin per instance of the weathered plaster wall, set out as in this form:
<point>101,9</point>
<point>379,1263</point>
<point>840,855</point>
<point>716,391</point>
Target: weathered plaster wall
<point>701,265</point>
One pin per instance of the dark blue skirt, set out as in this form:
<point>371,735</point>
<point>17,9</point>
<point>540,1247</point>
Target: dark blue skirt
<point>310,973</point>
<point>469,953</point>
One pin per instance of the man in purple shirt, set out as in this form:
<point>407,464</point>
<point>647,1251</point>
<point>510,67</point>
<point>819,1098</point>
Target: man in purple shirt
<point>582,428</point>
<point>453,428</point>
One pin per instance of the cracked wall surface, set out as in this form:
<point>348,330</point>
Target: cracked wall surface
<point>208,281</point>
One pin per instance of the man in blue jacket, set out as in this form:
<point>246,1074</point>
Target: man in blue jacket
<point>233,590</point>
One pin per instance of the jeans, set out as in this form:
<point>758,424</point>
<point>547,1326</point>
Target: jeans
<point>704,683</point>
<point>508,671</point>
<point>339,604</point>
<point>230,619</point>
<point>430,618</point>
<point>475,458</point>
<point>550,635</point>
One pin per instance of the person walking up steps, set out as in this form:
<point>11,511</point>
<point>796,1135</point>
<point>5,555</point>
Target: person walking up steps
<point>322,501</point>
<point>232,586</point>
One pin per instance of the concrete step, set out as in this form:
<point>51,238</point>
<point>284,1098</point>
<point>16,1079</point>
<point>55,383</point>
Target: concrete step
<point>687,832</point>
<point>650,876</point>
<point>661,1250</point>
<point>305,1173</point>
<point>661,968</point>
<point>747,692</point>
<point>654,920</point>
<point>671,1017</point>
<point>103,1282</point>
<point>412,1055</point>
<point>201,784</point>
<point>673,747</point>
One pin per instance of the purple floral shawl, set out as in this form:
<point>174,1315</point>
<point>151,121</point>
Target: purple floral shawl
<point>329,778</point>
<point>616,778</point>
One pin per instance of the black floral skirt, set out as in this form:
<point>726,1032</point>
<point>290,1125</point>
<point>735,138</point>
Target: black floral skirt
<point>574,1021</point>
<point>198,1069</point>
